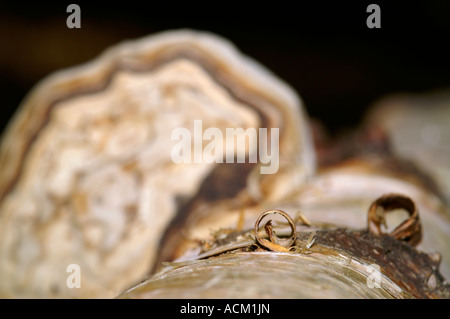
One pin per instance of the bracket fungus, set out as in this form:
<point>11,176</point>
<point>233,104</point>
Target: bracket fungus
<point>86,171</point>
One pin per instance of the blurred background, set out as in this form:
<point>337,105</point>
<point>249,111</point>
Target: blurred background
<point>323,50</point>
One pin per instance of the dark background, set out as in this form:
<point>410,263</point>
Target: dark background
<point>322,49</point>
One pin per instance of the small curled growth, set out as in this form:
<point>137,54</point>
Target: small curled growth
<point>274,243</point>
<point>409,230</point>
